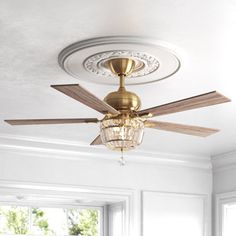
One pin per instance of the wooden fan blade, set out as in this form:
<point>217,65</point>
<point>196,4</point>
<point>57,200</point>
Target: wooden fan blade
<point>82,95</point>
<point>179,128</point>
<point>51,121</point>
<point>97,141</point>
<point>203,100</point>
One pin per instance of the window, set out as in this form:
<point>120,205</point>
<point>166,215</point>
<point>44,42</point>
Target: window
<point>229,219</point>
<point>45,210</point>
<point>24,220</point>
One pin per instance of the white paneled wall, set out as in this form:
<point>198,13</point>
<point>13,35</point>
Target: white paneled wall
<point>186,206</point>
<point>169,214</point>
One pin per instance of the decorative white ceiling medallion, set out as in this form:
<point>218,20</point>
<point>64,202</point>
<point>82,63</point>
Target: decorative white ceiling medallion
<point>144,63</point>
<point>87,60</point>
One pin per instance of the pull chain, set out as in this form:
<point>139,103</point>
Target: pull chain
<point>121,160</point>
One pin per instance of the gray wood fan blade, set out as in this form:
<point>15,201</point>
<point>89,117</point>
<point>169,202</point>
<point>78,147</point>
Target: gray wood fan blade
<point>51,121</point>
<point>180,128</point>
<point>82,95</point>
<point>203,100</point>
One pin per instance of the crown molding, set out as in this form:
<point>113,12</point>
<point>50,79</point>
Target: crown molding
<point>224,161</point>
<point>79,151</point>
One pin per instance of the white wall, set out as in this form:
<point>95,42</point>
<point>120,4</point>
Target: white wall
<point>103,173</point>
<point>224,167</point>
<point>139,177</point>
<point>225,180</point>
<point>174,214</point>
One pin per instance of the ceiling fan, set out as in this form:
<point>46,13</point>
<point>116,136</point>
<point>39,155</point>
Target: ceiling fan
<point>122,127</point>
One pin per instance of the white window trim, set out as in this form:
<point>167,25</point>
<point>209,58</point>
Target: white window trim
<point>121,207</point>
<point>102,193</point>
<point>221,200</point>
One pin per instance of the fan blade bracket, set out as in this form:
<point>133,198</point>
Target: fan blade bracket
<point>146,115</point>
<point>97,141</point>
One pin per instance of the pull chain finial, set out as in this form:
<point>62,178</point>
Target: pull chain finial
<point>121,160</point>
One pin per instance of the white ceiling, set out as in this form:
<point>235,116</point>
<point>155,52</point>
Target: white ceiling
<point>33,32</point>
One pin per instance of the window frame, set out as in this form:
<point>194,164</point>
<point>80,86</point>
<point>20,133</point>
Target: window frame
<point>129,197</point>
<point>31,205</point>
<point>110,213</point>
<point>220,201</point>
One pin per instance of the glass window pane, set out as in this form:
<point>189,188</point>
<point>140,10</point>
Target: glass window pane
<point>49,221</point>
<point>14,220</point>
<point>83,222</point>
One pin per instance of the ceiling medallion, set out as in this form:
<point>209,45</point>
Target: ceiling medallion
<point>144,63</point>
<point>87,60</point>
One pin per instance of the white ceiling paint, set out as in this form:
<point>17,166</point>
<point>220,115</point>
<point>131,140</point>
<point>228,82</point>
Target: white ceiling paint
<point>203,33</point>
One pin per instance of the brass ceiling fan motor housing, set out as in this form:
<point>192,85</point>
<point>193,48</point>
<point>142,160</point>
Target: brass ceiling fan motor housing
<point>122,100</point>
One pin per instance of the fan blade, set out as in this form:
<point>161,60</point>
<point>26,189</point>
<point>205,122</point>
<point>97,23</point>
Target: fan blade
<point>82,95</point>
<point>203,100</point>
<point>51,121</point>
<point>179,128</point>
<point>97,141</point>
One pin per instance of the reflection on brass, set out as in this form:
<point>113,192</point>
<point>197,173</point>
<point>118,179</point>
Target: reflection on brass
<point>122,100</point>
<point>121,66</point>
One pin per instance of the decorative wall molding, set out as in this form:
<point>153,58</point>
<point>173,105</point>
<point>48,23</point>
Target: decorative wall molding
<point>203,197</point>
<point>36,193</point>
<point>63,188</point>
<point>224,161</point>
<point>63,149</point>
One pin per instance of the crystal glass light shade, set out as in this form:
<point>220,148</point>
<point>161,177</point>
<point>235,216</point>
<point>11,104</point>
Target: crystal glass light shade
<point>122,133</point>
